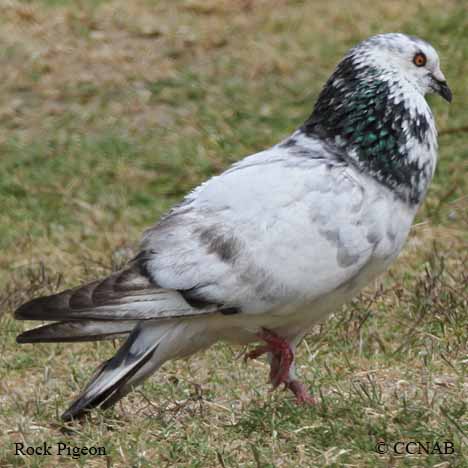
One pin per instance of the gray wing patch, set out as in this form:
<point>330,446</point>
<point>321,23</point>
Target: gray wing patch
<point>126,295</point>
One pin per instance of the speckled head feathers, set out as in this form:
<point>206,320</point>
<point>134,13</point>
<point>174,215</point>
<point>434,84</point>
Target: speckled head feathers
<point>393,55</point>
<point>373,108</point>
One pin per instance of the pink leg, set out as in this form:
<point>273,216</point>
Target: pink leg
<point>274,366</point>
<point>280,349</point>
<point>282,358</point>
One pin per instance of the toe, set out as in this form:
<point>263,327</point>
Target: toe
<point>303,397</point>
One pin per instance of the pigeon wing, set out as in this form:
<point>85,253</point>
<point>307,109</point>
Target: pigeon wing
<point>279,227</point>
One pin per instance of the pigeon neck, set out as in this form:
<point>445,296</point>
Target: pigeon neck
<point>384,126</point>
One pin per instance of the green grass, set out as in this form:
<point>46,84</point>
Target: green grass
<point>109,114</point>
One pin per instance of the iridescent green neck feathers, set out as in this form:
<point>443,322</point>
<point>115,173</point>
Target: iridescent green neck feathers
<point>370,118</point>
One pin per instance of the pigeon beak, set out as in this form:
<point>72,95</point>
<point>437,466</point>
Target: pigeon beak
<point>440,86</point>
<point>443,90</point>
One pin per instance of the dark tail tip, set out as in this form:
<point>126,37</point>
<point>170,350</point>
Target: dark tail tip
<point>42,334</point>
<point>31,310</point>
<point>20,312</point>
<point>86,403</point>
<point>21,339</point>
<point>74,415</point>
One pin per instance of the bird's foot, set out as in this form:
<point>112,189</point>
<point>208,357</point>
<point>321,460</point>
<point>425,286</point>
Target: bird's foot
<point>303,397</point>
<point>257,352</point>
<point>283,356</point>
<point>282,359</point>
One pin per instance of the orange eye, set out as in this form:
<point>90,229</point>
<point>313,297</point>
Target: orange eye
<point>420,59</point>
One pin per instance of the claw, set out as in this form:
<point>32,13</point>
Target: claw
<point>257,352</point>
<point>303,397</point>
<point>282,359</point>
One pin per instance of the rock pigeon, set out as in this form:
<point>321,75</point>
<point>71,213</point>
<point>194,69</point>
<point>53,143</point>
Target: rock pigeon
<point>275,243</point>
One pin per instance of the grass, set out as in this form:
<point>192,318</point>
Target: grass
<point>110,112</point>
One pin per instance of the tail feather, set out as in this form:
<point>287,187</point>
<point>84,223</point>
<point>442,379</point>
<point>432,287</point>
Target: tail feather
<point>148,346</point>
<point>109,383</point>
<point>161,324</point>
<point>74,331</point>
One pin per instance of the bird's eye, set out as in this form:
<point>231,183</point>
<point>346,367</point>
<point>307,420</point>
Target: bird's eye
<point>419,59</point>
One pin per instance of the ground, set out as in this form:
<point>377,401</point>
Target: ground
<point>110,111</point>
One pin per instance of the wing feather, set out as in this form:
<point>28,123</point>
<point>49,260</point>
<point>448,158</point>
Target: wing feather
<point>125,295</point>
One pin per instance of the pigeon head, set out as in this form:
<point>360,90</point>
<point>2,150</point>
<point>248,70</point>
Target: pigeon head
<point>373,109</point>
<point>405,57</point>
